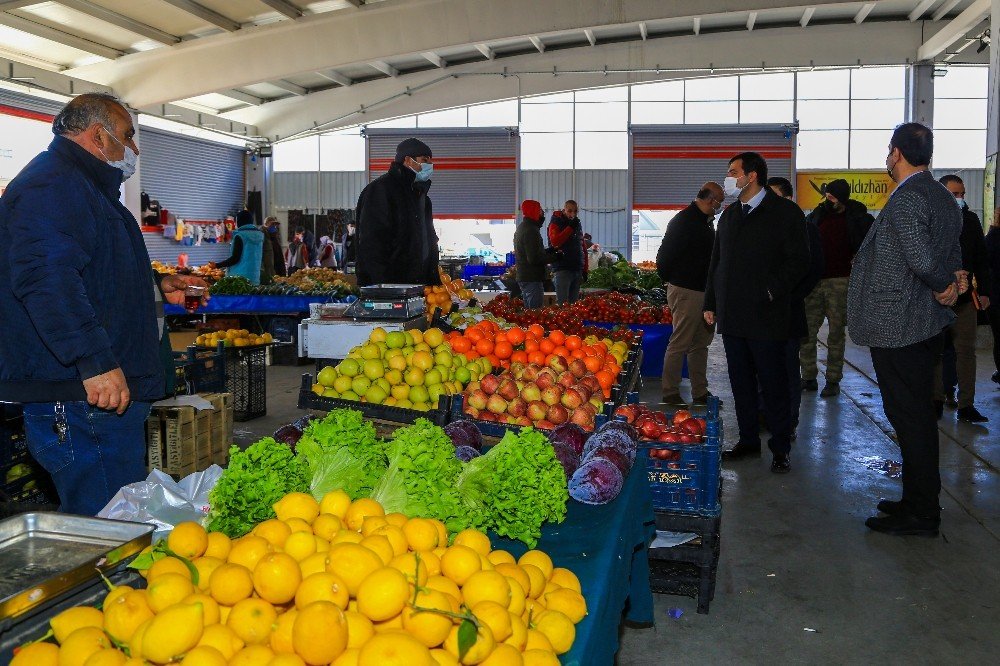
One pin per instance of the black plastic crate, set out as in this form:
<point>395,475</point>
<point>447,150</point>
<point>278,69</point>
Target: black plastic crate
<point>388,413</point>
<point>246,379</point>
<point>684,579</point>
<point>201,370</point>
<point>286,330</point>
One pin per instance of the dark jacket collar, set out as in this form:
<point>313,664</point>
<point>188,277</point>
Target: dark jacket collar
<point>537,223</point>
<point>406,176</point>
<point>693,208</point>
<point>105,176</point>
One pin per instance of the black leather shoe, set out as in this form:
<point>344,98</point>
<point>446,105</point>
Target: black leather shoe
<point>810,385</point>
<point>780,464</point>
<point>971,415</point>
<point>996,377</point>
<point>904,525</point>
<point>702,400</point>
<point>741,451</point>
<point>891,507</point>
<point>949,399</point>
<point>831,389</point>
<point>939,408</point>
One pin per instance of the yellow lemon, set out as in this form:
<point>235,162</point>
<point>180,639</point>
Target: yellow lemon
<point>253,655</point>
<point>168,590</point>
<point>558,629</point>
<point>299,525</point>
<point>536,640</point>
<point>348,657</point>
<point>539,559</point>
<point>166,565</point>
<point>124,615</point>
<point>394,623</point>
<point>204,656</point>
<point>218,545</point>
<point>500,557</point>
<point>412,566</point>
<point>319,633</point>
<point>223,639</point>
<point>205,566</point>
<point>135,643</point>
<point>327,525</point>
<point>247,550</point>
<point>421,534</point>
<point>106,657</point>
<point>426,626</point>
<point>315,563</point>
<point>533,608</point>
<point>540,658</point>
<point>117,591</point>
<point>173,632</point>
<point>252,620</point>
<point>383,594</point>
<point>475,540</point>
<point>299,545</point>
<point>494,616</point>
<point>359,629</point>
<point>71,619</point>
<point>286,659</point>
<point>396,537</point>
<point>37,654</point>
<point>321,544</point>
<point>536,580</point>
<point>394,648</point>
<point>188,539</point>
<point>432,562</point>
<point>459,563</point>
<point>380,546</point>
<point>361,509</point>
<point>335,502</point>
<point>396,518</point>
<point>518,597</point>
<point>444,658</point>
<point>209,606</point>
<point>518,632</point>
<point>230,583</point>
<point>515,572</point>
<point>503,655</point>
<point>322,586</point>
<point>276,578</point>
<point>566,578</point>
<point>568,602</point>
<point>274,531</point>
<point>297,505</point>
<point>281,636</point>
<point>80,644</point>
<point>479,650</point>
<point>346,536</point>
<point>372,523</point>
<point>486,564</point>
<point>352,563</point>
<point>444,584</point>
<point>486,586</point>
<point>442,532</point>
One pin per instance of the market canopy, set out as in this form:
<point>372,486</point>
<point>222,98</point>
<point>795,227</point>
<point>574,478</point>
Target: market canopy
<point>283,67</point>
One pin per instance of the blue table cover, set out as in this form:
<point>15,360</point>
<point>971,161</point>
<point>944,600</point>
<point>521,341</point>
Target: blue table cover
<point>606,547</point>
<point>252,304</point>
<point>654,345</point>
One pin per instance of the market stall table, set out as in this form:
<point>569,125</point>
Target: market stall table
<point>253,305</point>
<point>606,547</point>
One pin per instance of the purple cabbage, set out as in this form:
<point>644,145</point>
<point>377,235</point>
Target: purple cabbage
<point>623,438</point>
<point>567,457</point>
<point>464,433</point>
<point>571,435</point>
<point>620,459</point>
<point>597,481</point>
<point>466,453</point>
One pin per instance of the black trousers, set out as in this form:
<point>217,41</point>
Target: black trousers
<point>993,315</point>
<point>794,382</point>
<point>763,361</point>
<point>906,380</point>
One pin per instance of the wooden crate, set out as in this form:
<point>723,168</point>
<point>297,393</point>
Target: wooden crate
<point>183,440</point>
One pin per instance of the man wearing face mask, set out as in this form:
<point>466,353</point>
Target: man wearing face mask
<point>905,278</point>
<point>682,263</point>
<point>842,223</point>
<point>396,241</point>
<point>959,359</point>
<point>760,255</point>
<point>81,313</point>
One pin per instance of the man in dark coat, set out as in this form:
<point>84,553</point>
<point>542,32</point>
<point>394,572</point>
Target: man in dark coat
<point>760,256</point>
<point>993,312</point>
<point>529,254</point>
<point>566,235</point>
<point>396,240</point>
<point>958,363</point>
<point>682,263</point>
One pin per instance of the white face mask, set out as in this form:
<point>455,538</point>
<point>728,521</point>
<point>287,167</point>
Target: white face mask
<point>960,202</point>
<point>128,163</point>
<point>730,187</point>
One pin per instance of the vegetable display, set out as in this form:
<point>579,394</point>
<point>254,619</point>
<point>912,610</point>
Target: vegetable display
<point>232,285</point>
<point>342,451</point>
<point>253,481</point>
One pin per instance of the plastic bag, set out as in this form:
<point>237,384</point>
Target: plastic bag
<point>163,502</point>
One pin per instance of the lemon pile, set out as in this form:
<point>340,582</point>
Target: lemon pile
<point>335,583</point>
<point>409,369</point>
<point>232,338</point>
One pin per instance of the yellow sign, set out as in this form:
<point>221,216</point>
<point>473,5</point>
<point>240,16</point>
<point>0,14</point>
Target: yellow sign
<point>872,188</point>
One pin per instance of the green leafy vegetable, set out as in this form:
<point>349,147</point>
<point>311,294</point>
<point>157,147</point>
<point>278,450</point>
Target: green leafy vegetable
<point>342,451</point>
<point>421,477</point>
<point>516,487</point>
<point>254,480</point>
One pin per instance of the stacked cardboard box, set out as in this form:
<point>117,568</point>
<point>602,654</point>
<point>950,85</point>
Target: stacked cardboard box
<point>183,440</point>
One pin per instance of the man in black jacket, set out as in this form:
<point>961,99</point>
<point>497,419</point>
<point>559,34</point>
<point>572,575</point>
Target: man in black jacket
<point>842,223</point>
<point>397,243</point>
<point>566,235</point>
<point>761,254</point>
<point>960,336</point>
<point>682,264</point>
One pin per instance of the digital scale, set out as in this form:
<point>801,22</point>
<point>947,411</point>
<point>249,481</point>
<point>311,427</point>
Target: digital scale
<point>388,302</point>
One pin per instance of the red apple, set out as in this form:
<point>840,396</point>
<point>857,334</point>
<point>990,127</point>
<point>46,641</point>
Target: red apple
<point>477,399</point>
<point>544,425</point>
<point>578,368</point>
<point>471,411</point>
<point>552,395</point>
<point>558,364</point>
<point>627,411</point>
<point>517,369</point>
<point>597,401</point>
<point>531,372</point>
<point>537,410</point>
<point>507,389</point>
<point>517,407</point>
<point>531,392</point>
<point>681,415</point>
<point>522,421</point>
<point>472,386</point>
<point>567,379</point>
<point>488,416</point>
<point>557,414</point>
<point>497,404</point>
<point>490,384</point>
<point>582,418</point>
<point>571,399</point>
<point>650,429</point>
<point>590,381</point>
<point>545,379</point>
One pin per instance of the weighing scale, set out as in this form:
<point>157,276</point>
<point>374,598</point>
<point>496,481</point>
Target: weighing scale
<point>388,302</point>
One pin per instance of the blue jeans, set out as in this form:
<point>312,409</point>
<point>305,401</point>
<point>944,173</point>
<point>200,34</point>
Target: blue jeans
<point>531,294</point>
<point>567,286</point>
<point>102,451</point>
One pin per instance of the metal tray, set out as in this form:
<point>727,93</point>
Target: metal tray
<point>42,555</point>
<point>392,291</point>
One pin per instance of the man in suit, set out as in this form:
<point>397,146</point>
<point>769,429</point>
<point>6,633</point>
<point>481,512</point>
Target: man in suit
<point>906,276</point>
<point>760,255</point>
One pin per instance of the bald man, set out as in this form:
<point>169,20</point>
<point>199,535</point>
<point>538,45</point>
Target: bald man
<point>682,263</point>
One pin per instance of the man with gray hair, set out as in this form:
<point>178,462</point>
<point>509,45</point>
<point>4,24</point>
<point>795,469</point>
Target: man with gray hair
<point>82,316</point>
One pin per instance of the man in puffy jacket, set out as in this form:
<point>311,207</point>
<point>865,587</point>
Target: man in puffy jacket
<point>566,235</point>
<point>529,254</point>
<point>397,243</point>
<point>248,246</point>
<point>81,333</point>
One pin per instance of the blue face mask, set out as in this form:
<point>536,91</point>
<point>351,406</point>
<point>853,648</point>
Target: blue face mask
<point>425,173</point>
<point>960,202</point>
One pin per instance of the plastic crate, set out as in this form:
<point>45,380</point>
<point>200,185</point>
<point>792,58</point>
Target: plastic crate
<point>391,414</point>
<point>246,379</point>
<point>685,579</point>
<point>498,430</point>
<point>200,370</point>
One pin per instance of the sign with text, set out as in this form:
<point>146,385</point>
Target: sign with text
<point>872,188</point>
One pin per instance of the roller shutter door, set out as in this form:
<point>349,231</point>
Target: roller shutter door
<point>671,162</point>
<point>18,104</point>
<point>475,169</point>
<point>191,177</point>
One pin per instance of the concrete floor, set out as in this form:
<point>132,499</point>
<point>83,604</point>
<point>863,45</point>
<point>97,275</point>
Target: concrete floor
<point>801,580</point>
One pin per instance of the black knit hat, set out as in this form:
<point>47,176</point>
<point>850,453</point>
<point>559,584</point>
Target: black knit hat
<point>244,217</point>
<point>412,148</point>
<point>839,189</point>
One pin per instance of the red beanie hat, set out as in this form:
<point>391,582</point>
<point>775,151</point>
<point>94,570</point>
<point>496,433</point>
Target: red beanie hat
<point>531,209</point>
